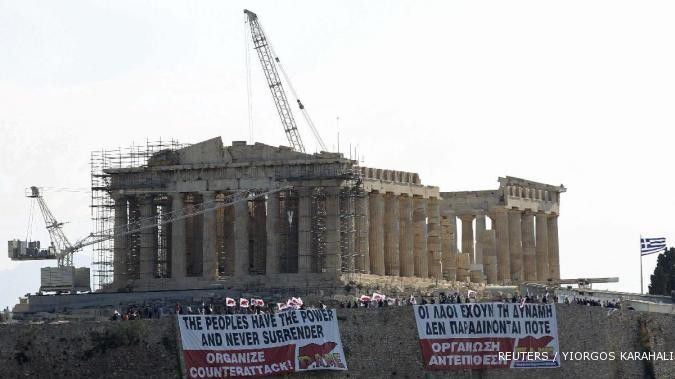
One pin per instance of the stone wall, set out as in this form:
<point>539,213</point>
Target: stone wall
<point>131,349</point>
<point>378,343</point>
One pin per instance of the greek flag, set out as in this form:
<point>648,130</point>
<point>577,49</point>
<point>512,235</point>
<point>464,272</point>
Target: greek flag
<point>652,245</point>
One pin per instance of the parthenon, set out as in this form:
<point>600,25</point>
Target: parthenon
<point>322,218</point>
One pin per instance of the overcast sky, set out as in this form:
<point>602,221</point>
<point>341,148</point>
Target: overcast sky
<point>578,93</point>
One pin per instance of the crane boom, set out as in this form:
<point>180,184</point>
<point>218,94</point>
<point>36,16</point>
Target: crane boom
<point>63,247</point>
<point>170,217</point>
<point>64,250</point>
<point>268,61</point>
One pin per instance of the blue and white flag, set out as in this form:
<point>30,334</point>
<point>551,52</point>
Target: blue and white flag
<point>652,245</point>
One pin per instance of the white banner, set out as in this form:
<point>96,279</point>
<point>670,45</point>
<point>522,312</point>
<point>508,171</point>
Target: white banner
<point>488,335</point>
<point>219,346</point>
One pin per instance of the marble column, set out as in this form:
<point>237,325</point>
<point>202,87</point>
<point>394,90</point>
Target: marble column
<point>515,245</point>
<point>434,239</point>
<point>258,234</point>
<point>553,249</point>
<point>449,244</point>
<point>376,232</point>
<point>178,267</point>
<point>272,220</point>
<point>542,247</point>
<point>502,236</point>
<point>420,237</point>
<point>120,248</point>
<point>406,236</point>
<point>304,230</point>
<point>241,241</point>
<point>148,237</point>
<point>480,246</point>
<point>467,236</point>
<point>392,264</point>
<point>347,230</point>
<point>529,257</point>
<point>490,256</point>
<point>362,259</point>
<point>333,261</point>
<point>209,251</point>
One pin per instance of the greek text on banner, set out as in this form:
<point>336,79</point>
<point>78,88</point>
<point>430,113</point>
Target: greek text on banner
<point>488,335</point>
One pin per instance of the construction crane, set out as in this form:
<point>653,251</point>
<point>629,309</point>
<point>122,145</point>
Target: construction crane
<point>62,250</point>
<point>61,247</point>
<point>269,61</point>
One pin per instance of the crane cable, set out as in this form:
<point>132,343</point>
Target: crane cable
<point>249,89</point>
<point>309,121</point>
<point>31,217</point>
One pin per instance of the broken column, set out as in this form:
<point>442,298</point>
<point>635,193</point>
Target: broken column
<point>463,268</point>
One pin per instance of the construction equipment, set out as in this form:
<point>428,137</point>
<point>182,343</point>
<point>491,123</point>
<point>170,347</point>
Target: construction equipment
<point>269,61</point>
<point>60,245</point>
<point>65,277</point>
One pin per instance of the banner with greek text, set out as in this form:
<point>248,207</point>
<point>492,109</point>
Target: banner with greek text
<point>488,335</point>
<point>254,345</point>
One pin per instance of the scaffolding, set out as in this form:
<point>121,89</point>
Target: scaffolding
<point>102,204</point>
<point>317,258</point>
<point>348,196</point>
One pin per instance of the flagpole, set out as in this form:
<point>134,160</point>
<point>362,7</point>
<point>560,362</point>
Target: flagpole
<point>641,280</point>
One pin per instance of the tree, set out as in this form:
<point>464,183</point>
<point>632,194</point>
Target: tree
<point>663,278</point>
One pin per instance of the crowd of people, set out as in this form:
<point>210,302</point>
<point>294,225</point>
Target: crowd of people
<point>593,302</point>
<point>214,306</point>
<point>220,306</point>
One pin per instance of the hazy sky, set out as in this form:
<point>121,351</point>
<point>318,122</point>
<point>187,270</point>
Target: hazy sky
<point>578,93</point>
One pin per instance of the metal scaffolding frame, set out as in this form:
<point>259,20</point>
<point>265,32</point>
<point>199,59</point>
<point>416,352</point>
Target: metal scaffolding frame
<point>102,204</point>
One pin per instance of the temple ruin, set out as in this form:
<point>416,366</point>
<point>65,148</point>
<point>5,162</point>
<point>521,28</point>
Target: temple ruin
<point>329,222</point>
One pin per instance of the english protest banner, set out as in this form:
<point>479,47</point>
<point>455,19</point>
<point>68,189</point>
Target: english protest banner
<point>488,335</point>
<point>254,345</point>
